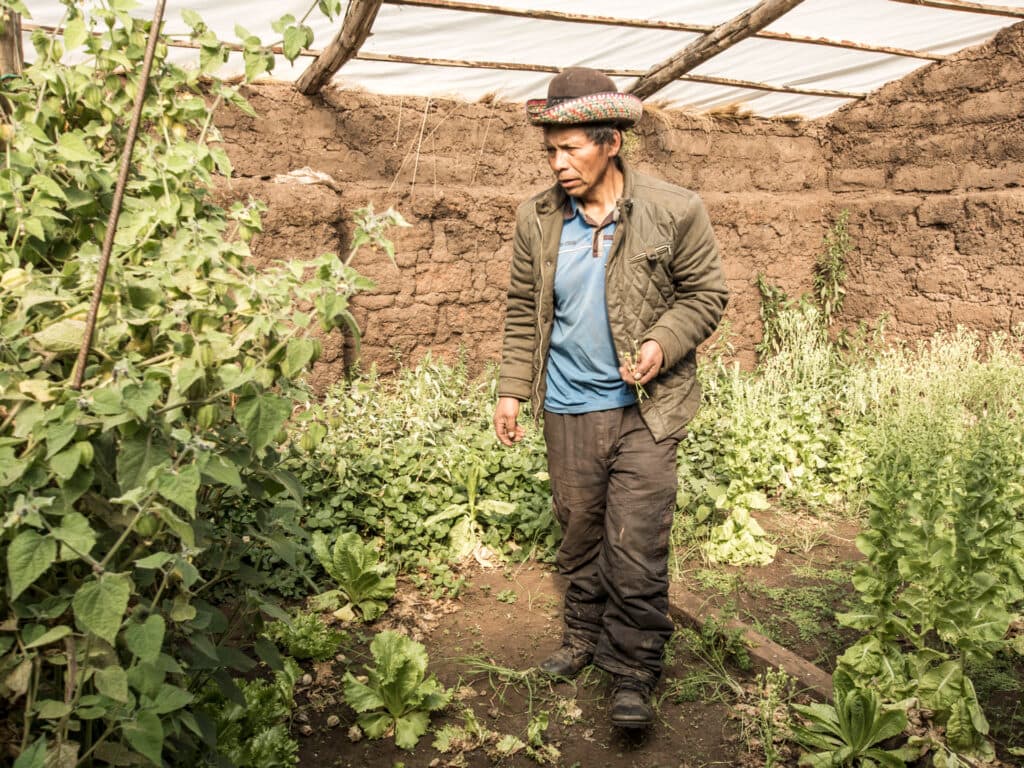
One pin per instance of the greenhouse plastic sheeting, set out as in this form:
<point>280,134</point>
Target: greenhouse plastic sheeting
<point>448,34</point>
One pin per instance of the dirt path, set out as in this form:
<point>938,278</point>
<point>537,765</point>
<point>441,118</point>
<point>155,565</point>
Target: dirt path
<point>502,624</point>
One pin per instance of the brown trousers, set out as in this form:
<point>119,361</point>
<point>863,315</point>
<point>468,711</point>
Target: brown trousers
<point>614,492</point>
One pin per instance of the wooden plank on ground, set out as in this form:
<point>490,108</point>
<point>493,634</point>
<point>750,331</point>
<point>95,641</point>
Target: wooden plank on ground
<point>710,45</point>
<point>688,608</point>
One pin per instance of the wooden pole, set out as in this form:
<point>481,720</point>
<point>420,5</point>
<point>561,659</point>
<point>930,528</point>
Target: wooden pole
<point>710,45</point>
<point>673,26</point>
<point>512,67</point>
<point>11,56</point>
<point>78,375</point>
<point>963,5</point>
<point>515,67</point>
<point>355,28</point>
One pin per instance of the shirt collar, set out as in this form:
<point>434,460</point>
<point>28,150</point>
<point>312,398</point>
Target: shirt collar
<point>571,208</point>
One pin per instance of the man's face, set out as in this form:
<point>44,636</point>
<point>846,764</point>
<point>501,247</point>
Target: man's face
<point>578,163</point>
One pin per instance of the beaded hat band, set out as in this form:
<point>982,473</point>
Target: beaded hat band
<point>580,95</point>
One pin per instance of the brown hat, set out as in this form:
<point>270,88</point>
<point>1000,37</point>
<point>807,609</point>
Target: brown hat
<point>579,95</point>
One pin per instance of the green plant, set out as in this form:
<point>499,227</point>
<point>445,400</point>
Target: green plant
<point>114,493</point>
<point>397,694</point>
<point>830,269</point>
<point>765,718</point>
<point>850,733</point>
<point>465,534</point>
<point>305,636</point>
<point>391,454</point>
<point>717,648</point>
<point>362,579</point>
<point>774,302</point>
<point>943,560</point>
<point>252,729</point>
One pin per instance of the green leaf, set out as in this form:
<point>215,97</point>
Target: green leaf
<point>170,699</point>
<point>52,709</point>
<point>28,558</point>
<point>295,39</point>
<point>75,531</point>
<point>329,8</point>
<point>180,486</point>
<point>191,18</point>
<point>146,735</point>
<point>72,148</point>
<point>62,336</point>
<point>139,454</point>
<point>139,399</point>
<point>99,605</point>
<point>11,468</point>
<point>940,686</point>
<point>34,756</point>
<point>300,352</point>
<point>375,724</point>
<point>261,417</point>
<point>361,697</point>
<point>409,728</point>
<point>51,635</point>
<point>222,470</point>
<point>156,560</point>
<point>75,33</point>
<point>59,435</point>
<point>112,682</point>
<point>146,640</point>
<point>66,462</point>
<point>282,23</point>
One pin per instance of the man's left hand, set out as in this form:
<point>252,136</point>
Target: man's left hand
<point>646,366</point>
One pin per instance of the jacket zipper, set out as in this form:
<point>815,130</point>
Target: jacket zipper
<point>537,405</point>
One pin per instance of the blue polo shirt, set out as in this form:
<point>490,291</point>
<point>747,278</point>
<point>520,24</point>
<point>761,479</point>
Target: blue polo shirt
<point>583,368</point>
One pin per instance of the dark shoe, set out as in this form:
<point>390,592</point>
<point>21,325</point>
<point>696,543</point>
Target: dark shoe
<point>631,704</point>
<point>565,662</point>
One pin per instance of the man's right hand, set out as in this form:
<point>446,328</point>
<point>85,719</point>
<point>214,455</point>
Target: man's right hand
<point>505,425</point>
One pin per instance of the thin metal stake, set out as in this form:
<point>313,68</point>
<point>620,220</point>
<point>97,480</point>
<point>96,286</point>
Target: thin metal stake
<point>115,211</point>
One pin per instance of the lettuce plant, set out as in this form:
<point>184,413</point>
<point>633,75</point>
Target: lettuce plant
<point>361,578</point>
<point>849,733</point>
<point>397,694</point>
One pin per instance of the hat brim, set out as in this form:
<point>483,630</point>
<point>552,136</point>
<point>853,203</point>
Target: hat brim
<point>623,109</point>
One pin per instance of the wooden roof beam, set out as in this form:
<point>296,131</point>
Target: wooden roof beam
<point>516,67</point>
<point>671,26</point>
<point>355,28</point>
<point>710,45</point>
<point>963,5</point>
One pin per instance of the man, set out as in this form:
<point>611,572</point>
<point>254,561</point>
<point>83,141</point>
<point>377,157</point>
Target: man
<point>615,280</point>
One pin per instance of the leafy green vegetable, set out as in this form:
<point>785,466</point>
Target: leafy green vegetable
<point>356,569</point>
<point>305,636</point>
<point>397,694</point>
<point>253,732</point>
<point>847,734</point>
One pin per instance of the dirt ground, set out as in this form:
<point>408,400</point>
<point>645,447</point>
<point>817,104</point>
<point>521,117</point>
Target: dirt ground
<point>481,644</point>
<point>484,643</point>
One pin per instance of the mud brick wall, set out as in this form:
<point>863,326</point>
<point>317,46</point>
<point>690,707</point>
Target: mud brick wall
<point>928,167</point>
<point>931,169</point>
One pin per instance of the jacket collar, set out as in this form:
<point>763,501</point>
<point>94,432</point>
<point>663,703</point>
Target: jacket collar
<point>554,198</point>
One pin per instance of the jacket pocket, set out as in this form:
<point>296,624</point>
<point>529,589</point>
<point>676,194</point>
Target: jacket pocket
<point>653,254</point>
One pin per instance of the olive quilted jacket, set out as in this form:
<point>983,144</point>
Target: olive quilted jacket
<point>663,281</point>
